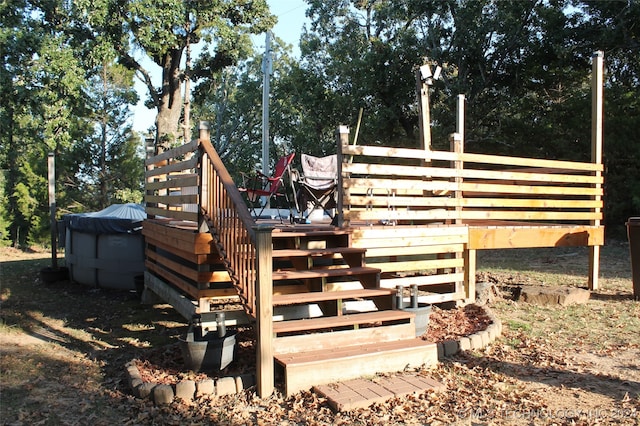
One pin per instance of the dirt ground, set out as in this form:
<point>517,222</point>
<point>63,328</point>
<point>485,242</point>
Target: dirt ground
<point>63,348</point>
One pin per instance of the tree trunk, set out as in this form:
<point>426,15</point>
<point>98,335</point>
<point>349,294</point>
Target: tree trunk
<point>170,102</point>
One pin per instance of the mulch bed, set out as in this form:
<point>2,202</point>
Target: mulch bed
<point>165,365</point>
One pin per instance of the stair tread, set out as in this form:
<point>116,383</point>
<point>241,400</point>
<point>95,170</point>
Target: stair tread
<point>350,351</point>
<point>287,233</point>
<point>321,273</point>
<point>281,253</point>
<point>340,321</point>
<point>318,296</point>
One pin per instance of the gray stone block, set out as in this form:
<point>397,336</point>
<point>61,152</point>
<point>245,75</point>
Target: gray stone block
<point>440,350</point>
<point>185,390</point>
<point>451,347</point>
<point>205,387</point>
<point>244,381</point>
<point>225,386</point>
<point>484,336</point>
<point>476,341</point>
<point>144,390</point>
<point>135,383</point>
<point>465,343</point>
<point>163,394</point>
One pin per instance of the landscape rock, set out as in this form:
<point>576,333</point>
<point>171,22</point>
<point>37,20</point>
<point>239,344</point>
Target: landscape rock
<point>185,390</point>
<point>205,387</point>
<point>486,293</point>
<point>541,295</point>
<point>163,394</point>
<point>226,386</point>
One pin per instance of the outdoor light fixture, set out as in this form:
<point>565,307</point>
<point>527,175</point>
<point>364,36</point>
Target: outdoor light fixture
<point>427,77</point>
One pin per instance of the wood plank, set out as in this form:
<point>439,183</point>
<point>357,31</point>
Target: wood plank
<point>468,173</point>
<point>195,258</point>
<point>172,153</point>
<point>428,231</point>
<point>323,273</point>
<point>180,166</point>
<point>321,296</point>
<point>341,321</point>
<point>367,360</point>
<point>398,201</point>
<point>417,265</point>
<point>175,214</point>
<point>326,341</point>
<point>442,215</point>
<point>189,271</point>
<point>289,253</point>
<point>378,251</point>
<point>181,246</point>
<point>535,236</point>
<point>172,199</point>
<point>189,180</point>
<point>176,281</point>
<point>421,280</point>
<point>429,155</point>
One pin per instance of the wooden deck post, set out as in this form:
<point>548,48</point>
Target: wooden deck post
<point>204,134</point>
<point>423,108</point>
<point>342,142</point>
<point>597,97</point>
<point>264,311</point>
<point>469,274</point>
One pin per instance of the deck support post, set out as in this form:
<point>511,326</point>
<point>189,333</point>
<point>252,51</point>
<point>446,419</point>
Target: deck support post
<point>264,311</point>
<point>597,104</point>
<point>342,136</point>
<point>470,275</point>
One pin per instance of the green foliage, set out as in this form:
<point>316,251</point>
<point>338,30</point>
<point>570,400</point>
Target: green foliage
<point>164,30</point>
<point>524,68</point>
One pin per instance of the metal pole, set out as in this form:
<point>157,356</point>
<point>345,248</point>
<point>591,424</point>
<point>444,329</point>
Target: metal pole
<point>51,165</point>
<point>266,73</point>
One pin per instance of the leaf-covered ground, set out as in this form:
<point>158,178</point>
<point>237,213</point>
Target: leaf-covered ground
<point>63,348</point>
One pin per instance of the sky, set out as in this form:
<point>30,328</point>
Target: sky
<point>291,18</point>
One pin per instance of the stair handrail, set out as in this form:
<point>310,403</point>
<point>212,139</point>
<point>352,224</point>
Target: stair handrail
<point>230,223</point>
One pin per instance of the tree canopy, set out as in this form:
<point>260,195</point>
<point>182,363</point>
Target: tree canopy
<point>68,71</point>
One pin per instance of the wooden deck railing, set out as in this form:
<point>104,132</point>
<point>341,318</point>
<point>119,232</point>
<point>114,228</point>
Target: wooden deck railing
<point>191,183</point>
<point>230,224</point>
<point>409,186</point>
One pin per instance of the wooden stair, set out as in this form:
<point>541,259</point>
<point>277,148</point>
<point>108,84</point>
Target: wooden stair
<point>319,267</point>
<point>318,367</point>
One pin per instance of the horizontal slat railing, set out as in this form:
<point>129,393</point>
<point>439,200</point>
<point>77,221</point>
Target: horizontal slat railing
<point>230,224</point>
<point>171,188</point>
<point>404,186</point>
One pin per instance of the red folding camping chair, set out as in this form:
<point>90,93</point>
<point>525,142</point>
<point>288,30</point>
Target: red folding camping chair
<point>270,187</point>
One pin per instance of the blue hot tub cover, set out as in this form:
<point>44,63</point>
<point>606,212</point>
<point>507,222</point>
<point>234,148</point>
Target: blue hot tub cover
<point>115,219</point>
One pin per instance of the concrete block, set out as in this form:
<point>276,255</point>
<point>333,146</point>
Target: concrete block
<point>476,341</point>
<point>163,394</point>
<point>225,386</point>
<point>451,347</point>
<point>465,343</point>
<point>135,383</point>
<point>185,390</point>
<point>440,349</point>
<point>244,381</point>
<point>205,387</point>
<point>484,337</point>
<point>144,390</point>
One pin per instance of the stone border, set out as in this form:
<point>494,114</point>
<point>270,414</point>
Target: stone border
<point>187,390</point>
<point>473,341</point>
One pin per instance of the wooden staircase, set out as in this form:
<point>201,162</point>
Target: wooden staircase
<point>354,331</point>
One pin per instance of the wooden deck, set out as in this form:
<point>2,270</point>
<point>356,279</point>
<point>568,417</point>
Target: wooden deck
<point>325,300</point>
